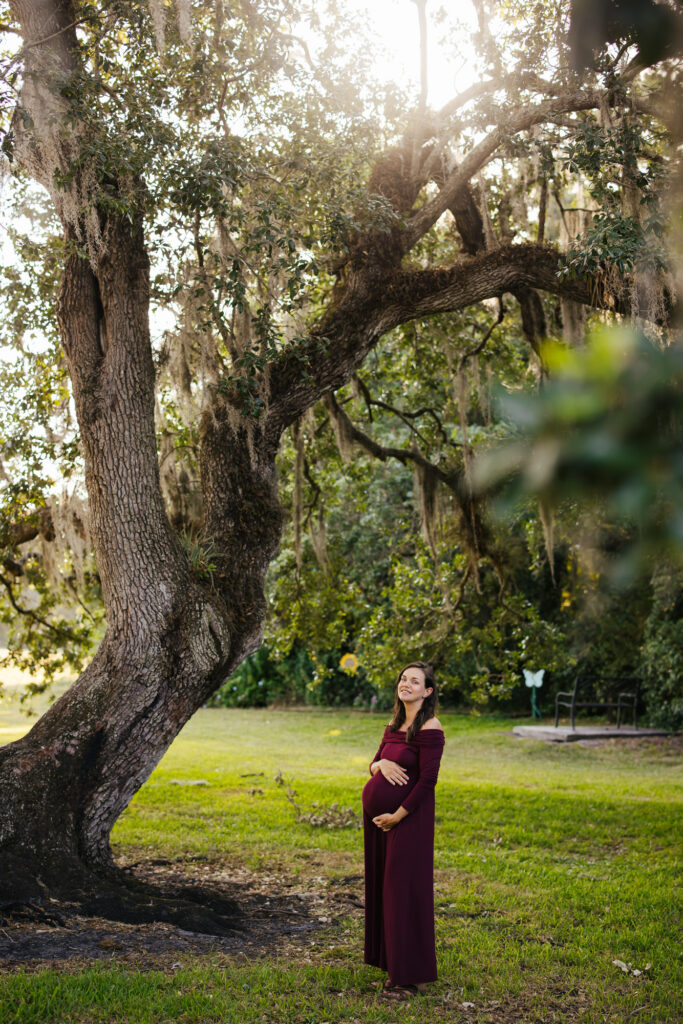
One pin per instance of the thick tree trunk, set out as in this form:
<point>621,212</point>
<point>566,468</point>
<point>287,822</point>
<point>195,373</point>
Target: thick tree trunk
<point>169,642</point>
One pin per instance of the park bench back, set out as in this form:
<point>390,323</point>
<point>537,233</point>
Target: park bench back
<point>601,693</point>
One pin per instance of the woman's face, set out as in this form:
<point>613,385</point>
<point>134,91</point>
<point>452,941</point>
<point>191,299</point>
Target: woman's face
<point>412,688</point>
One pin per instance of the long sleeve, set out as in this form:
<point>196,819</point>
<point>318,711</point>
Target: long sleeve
<point>430,758</point>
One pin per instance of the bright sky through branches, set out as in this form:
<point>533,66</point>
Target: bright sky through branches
<point>394,23</point>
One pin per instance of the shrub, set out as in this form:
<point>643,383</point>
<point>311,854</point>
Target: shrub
<point>662,652</point>
<point>297,678</point>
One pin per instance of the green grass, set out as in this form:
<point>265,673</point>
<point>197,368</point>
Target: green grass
<point>551,862</point>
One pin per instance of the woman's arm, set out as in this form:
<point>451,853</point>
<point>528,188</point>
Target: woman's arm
<point>429,760</point>
<point>428,768</point>
<point>388,821</point>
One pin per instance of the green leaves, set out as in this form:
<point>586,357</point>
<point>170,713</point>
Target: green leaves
<point>613,241</point>
<point>624,169</point>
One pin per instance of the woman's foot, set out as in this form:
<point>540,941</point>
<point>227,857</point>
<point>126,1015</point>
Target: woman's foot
<point>401,992</point>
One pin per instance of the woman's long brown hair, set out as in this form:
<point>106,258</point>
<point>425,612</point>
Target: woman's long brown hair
<point>429,704</point>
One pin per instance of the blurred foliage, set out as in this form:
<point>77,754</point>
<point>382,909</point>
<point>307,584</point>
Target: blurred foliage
<point>607,424</point>
<point>653,25</point>
<point>663,649</point>
<point>604,434</point>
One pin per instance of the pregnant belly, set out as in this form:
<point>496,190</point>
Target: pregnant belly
<point>380,797</point>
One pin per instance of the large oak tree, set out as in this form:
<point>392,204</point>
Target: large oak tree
<point>292,275</point>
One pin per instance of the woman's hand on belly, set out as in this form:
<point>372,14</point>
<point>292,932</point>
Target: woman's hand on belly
<point>388,821</point>
<point>383,797</point>
<point>393,772</point>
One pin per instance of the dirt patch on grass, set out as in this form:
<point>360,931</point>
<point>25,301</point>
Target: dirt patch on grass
<point>641,747</point>
<point>275,913</point>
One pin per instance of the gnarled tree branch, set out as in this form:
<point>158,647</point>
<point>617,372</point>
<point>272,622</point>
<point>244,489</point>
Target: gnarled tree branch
<point>402,414</point>
<point>372,306</point>
<point>527,117</point>
<point>447,289</point>
<point>382,452</point>
<point>474,531</point>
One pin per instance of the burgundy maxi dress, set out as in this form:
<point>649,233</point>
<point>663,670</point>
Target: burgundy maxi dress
<point>399,864</point>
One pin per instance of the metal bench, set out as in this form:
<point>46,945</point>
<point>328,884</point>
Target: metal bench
<point>586,687</point>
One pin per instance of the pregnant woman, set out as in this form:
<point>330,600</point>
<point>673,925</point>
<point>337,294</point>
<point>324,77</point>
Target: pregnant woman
<point>398,823</point>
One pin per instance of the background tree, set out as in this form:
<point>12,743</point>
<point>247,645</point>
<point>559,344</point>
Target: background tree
<point>291,229</point>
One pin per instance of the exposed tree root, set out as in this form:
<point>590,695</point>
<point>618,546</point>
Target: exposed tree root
<point>122,897</point>
<point>277,912</point>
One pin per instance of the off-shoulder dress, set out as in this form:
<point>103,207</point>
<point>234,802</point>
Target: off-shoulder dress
<point>399,864</point>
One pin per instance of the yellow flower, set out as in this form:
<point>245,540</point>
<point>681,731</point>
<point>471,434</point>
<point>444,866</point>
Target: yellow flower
<point>349,663</point>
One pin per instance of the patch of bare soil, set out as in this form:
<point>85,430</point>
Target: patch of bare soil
<point>661,746</point>
<point>275,912</point>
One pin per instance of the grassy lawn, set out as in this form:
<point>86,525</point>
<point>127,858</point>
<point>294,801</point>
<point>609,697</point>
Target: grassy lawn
<point>551,862</point>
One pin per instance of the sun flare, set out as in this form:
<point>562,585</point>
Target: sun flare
<point>451,68</point>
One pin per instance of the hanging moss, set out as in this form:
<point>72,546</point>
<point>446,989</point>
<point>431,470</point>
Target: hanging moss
<point>426,493</point>
<point>318,534</point>
<point>297,498</point>
<point>545,514</point>
<point>156,10</point>
<point>343,431</point>
<point>68,546</point>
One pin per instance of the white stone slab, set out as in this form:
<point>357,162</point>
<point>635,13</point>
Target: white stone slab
<point>564,734</point>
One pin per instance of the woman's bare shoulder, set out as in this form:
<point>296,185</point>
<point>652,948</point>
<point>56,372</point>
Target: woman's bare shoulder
<point>432,723</point>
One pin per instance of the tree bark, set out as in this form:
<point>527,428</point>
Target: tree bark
<point>171,638</point>
<point>167,644</point>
